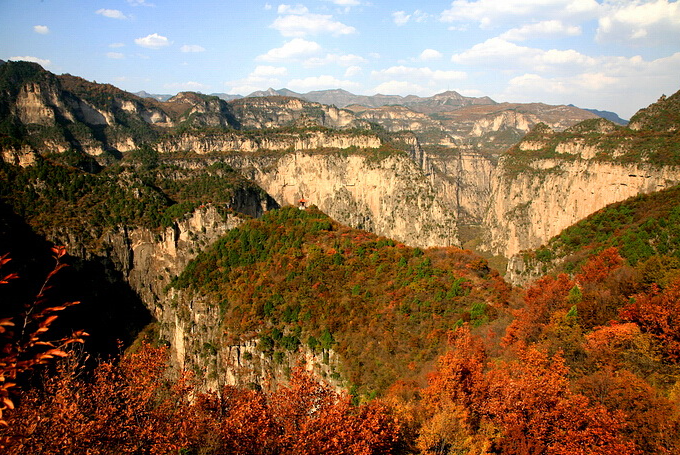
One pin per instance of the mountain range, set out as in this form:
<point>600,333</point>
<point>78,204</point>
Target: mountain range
<point>442,102</point>
<point>494,278</point>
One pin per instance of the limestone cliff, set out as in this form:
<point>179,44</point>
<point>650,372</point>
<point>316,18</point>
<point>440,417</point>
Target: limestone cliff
<point>390,196</point>
<point>463,178</point>
<point>278,111</point>
<point>202,143</point>
<point>199,342</point>
<point>490,127</point>
<point>148,260</point>
<point>528,208</point>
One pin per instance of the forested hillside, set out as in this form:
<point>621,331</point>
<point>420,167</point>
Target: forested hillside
<point>296,277</point>
<point>580,363</point>
<point>159,294</point>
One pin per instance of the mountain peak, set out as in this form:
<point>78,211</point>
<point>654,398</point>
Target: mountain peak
<point>664,115</point>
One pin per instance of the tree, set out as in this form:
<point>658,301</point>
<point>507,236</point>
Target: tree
<point>657,312</point>
<point>24,339</point>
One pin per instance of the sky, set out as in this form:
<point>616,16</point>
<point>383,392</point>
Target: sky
<point>616,55</point>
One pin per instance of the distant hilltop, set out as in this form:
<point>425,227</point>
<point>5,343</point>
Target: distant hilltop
<point>442,102</point>
<point>611,116</point>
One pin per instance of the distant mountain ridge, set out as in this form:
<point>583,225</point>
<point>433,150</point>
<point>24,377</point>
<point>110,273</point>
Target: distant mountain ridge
<point>442,102</point>
<point>608,115</point>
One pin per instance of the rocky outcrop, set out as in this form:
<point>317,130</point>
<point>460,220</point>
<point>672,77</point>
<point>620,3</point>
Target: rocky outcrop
<point>397,118</point>
<point>19,155</point>
<point>192,326</point>
<point>390,196</point>
<point>463,179</point>
<point>528,208</point>
<point>203,143</point>
<point>148,259</point>
<point>489,126</point>
<point>278,111</point>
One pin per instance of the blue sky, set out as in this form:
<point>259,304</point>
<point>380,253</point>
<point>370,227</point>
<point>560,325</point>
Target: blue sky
<point>617,55</point>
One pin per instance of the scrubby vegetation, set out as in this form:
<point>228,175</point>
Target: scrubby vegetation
<point>644,228</point>
<point>589,363</point>
<point>653,137</point>
<point>297,277</point>
<point>142,191</point>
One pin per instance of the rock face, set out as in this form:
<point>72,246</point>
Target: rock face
<point>148,260</point>
<point>203,143</point>
<point>392,196</point>
<point>463,178</point>
<point>277,111</point>
<point>489,126</point>
<point>526,210</point>
<point>193,328</point>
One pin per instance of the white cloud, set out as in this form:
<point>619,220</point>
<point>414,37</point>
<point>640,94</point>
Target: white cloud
<point>111,13</point>
<point>28,58</point>
<point>341,60</point>
<point>305,23</point>
<point>115,55</point>
<point>192,48</point>
<point>586,81</point>
<point>426,74</point>
<point>490,13</point>
<point>153,41</point>
<point>405,80</point>
<point>430,54</point>
<point>187,86</point>
<point>288,9</point>
<point>116,45</point>
<point>262,77</point>
<point>401,18</point>
<point>501,54</point>
<point>140,3</point>
<point>41,29</point>
<point>269,71</point>
<point>640,22</point>
<point>541,30</point>
<point>294,49</point>
<point>346,2</point>
<point>353,71</point>
<point>604,80</point>
<point>497,52</point>
<point>320,83</point>
<point>399,88</point>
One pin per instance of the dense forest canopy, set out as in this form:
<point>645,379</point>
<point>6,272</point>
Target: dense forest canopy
<point>422,350</point>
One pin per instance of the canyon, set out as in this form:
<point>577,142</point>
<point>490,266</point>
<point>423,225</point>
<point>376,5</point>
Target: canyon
<point>496,178</point>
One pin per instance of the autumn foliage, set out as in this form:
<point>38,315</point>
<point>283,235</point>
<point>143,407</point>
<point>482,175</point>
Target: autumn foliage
<point>25,343</point>
<point>586,364</point>
<point>132,407</point>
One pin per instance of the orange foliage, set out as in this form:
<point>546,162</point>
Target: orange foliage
<point>600,266</point>
<point>658,313</point>
<point>531,398</point>
<point>130,407</point>
<point>523,406</point>
<point>542,299</point>
<point>23,338</point>
<point>606,344</point>
<point>650,419</point>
